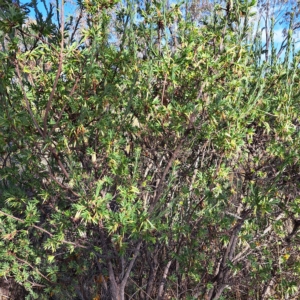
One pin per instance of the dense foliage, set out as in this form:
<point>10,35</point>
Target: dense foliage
<point>146,154</point>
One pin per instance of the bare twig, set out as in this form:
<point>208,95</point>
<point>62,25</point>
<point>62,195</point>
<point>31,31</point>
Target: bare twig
<point>132,261</point>
<point>76,25</point>
<point>163,281</point>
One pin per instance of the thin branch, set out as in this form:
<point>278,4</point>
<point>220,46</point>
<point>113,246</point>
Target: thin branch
<point>60,184</point>
<point>38,38</point>
<point>139,289</point>
<point>161,184</point>
<point>55,155</point>
<point>164,88</point>
<point>61,56</point>
<point>241,255</point>
<point>32,267</point>
<point>41,229</point>
<point>76,25</point>
<point>135,254</point>
<point>63,109</point>
<point>163,281</point>
<point>27,101</point>
<point>57,13</point>
<point>221,278</point>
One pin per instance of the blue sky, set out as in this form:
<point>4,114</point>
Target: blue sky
<point>70,9</point>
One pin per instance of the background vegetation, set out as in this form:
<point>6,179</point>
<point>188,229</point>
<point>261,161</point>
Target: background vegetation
<point>149,150</point>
